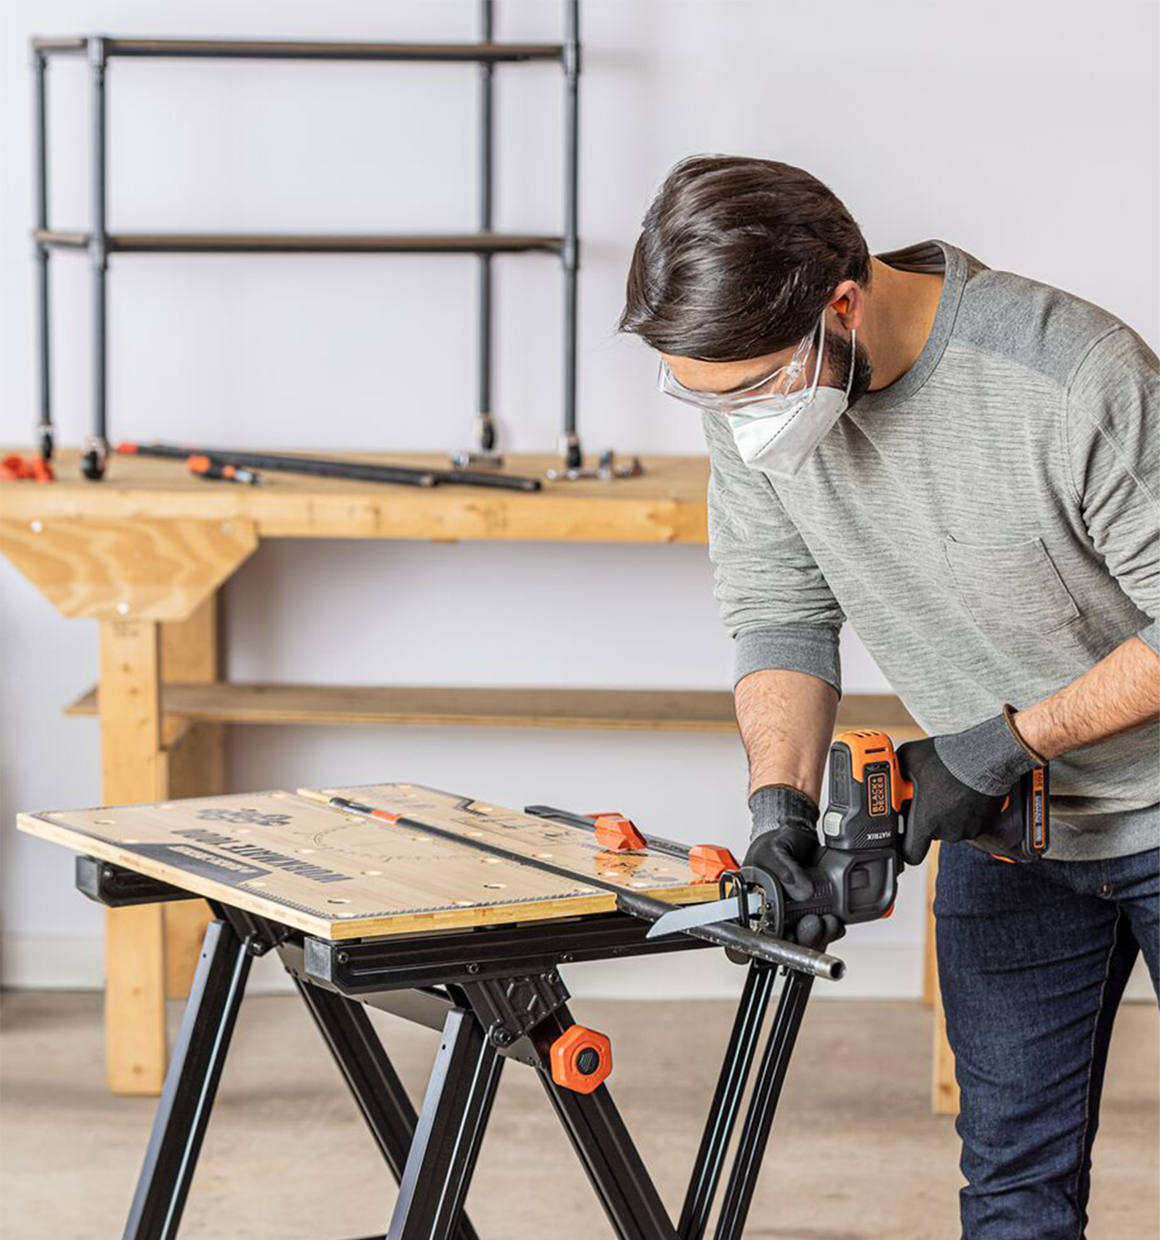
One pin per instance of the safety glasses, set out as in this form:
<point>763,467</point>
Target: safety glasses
<point>786,383</point>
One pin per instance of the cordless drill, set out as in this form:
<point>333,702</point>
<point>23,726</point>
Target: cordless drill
<point>855,875</point>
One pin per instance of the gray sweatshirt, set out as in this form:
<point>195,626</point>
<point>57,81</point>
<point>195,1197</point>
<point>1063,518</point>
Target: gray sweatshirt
<point>988,524</point>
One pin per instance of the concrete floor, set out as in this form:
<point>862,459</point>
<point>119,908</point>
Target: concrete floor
<point>286,1154</point>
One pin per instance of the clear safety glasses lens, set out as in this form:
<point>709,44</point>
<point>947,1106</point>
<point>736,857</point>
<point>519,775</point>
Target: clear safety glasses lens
<point>786,381</point>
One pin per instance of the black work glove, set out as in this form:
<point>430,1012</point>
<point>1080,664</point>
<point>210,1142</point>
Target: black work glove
<point>960,782</point>
<point>784,844</point>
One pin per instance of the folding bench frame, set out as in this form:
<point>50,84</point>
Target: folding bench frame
<point>494,993</point>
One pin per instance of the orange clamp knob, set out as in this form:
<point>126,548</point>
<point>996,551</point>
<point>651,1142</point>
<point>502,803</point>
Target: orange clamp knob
<point>581,1059</point>
<point>710,861</point>
<point>618,834</point>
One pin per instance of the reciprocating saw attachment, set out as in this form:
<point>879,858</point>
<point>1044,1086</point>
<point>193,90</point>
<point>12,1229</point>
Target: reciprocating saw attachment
<point>855,873</point>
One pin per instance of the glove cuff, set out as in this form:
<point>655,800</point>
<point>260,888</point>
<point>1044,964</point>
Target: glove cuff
<point>779,805</point>
<point>990,757</point>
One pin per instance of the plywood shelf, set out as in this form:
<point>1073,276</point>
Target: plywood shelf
<point>653,710</point>
<point>665,505</point>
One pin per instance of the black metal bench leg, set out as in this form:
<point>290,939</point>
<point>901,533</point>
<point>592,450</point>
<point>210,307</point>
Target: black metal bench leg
<point>190,1085</point>
<point>371,1078</point>
<point>726,1102</point>
<point>614,1165</point>
<point>455,1111</point>
<point>762,1106</point>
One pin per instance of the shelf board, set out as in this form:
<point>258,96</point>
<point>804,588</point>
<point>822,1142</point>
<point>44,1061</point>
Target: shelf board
<point>303,243</point>
<point>638,710</point>
<point>663,506</point>
<point>302,49</point>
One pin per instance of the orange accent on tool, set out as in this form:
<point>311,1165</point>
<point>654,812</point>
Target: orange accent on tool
<point>198,464</point>
<point>867,747</point>
<point>17,468</point>
<point>617,833</point>
<point>385,815</point>
<point>710,861</point>
<point>125,448</point>
<point>889,912</point>
<point>1008,860</point>
<point>581,1059</point>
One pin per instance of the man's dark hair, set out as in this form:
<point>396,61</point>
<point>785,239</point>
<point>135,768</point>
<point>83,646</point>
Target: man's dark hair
<point>737,258</point>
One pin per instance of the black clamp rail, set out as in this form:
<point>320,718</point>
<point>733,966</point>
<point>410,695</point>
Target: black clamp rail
<point>99,242</point>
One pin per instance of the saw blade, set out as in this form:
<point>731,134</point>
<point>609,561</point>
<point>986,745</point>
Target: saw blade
<point>691,915</point>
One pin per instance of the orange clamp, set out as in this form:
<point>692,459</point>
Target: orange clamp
<point>581,1059</point>
<point>618,834</point>
<point>17,468</point>
<point>710,861</point>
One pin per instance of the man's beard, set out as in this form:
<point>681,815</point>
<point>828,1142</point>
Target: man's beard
<point>838,354</point>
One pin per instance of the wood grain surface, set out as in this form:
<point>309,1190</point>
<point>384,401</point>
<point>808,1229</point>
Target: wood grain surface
<point>340,876</point>
<point>666,504</point>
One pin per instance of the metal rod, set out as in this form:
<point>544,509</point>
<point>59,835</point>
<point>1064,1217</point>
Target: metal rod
<point>750,942</point>
<point>726,1103</point>
<point>304,243</point>
<point>266,49</point>
<point>571,247</point>
<point>44,433</point>
<point>93,459</point>
<point>325,467</point>
<point>485,425</point>
<point>762,1107</point>
<point>190,1085</point>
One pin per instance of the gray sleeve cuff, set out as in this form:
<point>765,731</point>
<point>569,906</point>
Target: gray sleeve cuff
<point>808,648</point>
<point>1150,636</point>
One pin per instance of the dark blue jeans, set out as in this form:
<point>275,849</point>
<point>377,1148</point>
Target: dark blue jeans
<point>1033,960</point>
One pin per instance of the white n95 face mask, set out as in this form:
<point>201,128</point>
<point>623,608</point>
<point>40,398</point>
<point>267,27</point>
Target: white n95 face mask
<point>778,434</point>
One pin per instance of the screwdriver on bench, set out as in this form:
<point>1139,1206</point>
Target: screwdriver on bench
<point>211,468</point>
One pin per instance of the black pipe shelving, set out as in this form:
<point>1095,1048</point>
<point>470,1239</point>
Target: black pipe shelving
<point>100,243</point>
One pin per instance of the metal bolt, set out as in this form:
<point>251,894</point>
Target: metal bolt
<point>552,978</point>
<point>342,957</point>
<point>501,1037</point>
<point>473,968</point>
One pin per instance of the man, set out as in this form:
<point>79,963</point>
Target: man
<point>966,464</point>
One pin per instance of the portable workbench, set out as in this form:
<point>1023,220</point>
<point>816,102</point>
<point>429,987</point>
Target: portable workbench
<point>457,915</point>
<point>146,554</point>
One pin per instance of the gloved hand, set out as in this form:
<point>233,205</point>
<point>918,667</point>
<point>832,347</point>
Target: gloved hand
<point>960,782</point>
<point>785,842</point>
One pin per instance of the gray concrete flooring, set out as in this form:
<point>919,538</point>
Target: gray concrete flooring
<point>855,1155</point>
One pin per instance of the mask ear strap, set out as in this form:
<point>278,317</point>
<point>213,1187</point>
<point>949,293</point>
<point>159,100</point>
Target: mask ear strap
<point>821,353</point>
<point>853,360</point>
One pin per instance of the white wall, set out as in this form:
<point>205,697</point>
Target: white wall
<point>1025,132</point>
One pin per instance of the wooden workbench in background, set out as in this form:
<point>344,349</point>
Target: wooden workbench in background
<point>145,553</point>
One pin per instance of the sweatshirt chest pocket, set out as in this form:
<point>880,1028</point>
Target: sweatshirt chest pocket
<point>1014,585</point>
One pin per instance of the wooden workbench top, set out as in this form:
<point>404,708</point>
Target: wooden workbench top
<point>665,505</point>
<point>304,863</point>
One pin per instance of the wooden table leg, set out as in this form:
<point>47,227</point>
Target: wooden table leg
<point>196,767</point>
<point>944,1090</point>
<point>133,771</point>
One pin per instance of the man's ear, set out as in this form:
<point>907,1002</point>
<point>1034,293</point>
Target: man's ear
<point>848,303</point>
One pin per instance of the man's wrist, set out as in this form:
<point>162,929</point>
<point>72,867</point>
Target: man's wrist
<point>781,805</point>
<point>1036,730</point>
<point>990,757</point>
